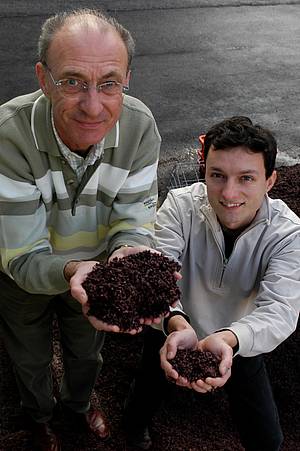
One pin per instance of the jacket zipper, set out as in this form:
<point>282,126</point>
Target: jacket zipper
<point>224,259</point>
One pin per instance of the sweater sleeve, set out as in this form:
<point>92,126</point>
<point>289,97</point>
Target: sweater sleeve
<point>26,252</point>
<point>134,208</point>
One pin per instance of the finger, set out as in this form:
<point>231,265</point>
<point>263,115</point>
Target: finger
<point>79,294</point>
<point>169,370</point>
<point>216,382</point>
<point>100,325</point>
<point>203,385</point>
<point>198,389</point>
<point>183,382</point>
<point>134,331</point>
<point>171,349</point>
<point>131,332</point>
<point>149,321</point>
<point>171,352</point>
<point>171,373</point>
<point>177,275</point>
<point>225,366</point>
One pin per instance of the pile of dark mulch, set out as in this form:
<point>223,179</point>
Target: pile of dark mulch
<point>187,421</point>
<point>194,364</point>
<point>126,290</point>
<point>287,187</point>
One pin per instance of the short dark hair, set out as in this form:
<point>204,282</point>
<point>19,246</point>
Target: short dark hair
<point>54,23</point>
<point>240,131</point>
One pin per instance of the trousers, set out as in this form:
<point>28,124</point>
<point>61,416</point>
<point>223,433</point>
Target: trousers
<point>26,326</point>
<point>250,396</point>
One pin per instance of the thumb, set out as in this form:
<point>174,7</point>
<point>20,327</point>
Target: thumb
<point>225,366</point>
<point>171,351</point>
<point>79,294</point>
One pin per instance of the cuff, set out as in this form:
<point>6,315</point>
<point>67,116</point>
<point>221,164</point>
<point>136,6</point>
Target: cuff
<point>245,338</point>
<point>236,348</point>
<point>166,320</point>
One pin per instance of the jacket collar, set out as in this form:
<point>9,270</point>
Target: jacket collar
<point>42,130</point>
<point>263,215</point>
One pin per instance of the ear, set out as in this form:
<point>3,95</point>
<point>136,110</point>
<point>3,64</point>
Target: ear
<point>271,181</point>
<point>128,78</point>
<point>41,76</point>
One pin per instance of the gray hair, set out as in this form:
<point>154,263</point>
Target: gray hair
<point>55,23</point>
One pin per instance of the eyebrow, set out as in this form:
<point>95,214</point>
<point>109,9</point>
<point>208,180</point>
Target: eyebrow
<point>113,73</point>
<point>74,73</point>
<point>244,171</point>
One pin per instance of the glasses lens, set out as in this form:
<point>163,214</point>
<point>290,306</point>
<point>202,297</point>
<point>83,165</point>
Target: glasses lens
<point>110,88</point>
<point>71,86</point>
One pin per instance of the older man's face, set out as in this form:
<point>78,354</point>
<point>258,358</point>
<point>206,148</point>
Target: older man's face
<point>94,56</point>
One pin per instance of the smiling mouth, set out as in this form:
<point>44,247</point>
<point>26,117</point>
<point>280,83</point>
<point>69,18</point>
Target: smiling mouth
<point>89,124</point>
<point>231,204</point>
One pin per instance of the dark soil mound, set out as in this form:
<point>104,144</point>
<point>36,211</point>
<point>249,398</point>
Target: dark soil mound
<point>126,290</point>
<point>194,365</point>
<point>187,421</point>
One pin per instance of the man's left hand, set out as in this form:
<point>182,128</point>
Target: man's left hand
<point>218,344</point>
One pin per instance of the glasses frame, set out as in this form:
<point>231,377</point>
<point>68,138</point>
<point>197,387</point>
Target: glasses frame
<point>84,86</point>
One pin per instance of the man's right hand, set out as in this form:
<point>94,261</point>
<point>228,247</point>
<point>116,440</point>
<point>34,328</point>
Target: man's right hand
<point>180,339</point>
<point>76,273</point>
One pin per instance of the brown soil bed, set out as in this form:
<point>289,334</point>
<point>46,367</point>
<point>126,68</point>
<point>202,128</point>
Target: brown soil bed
<point>187,421</point>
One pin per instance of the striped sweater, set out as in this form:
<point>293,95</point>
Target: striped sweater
<point>48,217</point>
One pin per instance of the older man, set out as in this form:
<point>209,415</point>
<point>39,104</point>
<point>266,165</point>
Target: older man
<point>78,162</point>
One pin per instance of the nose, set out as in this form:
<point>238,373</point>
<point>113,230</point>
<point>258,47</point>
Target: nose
<point>91,103</point>
<point>230,190</point>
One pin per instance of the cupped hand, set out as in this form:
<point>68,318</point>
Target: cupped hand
<point>183,339</point>
<point>105,327</point>
<point>81,270</point>
<point>216,344</point>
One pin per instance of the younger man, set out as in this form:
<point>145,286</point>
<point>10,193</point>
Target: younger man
<point>240,253</point>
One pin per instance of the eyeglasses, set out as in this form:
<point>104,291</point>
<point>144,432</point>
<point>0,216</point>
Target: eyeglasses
<point>71,87</point>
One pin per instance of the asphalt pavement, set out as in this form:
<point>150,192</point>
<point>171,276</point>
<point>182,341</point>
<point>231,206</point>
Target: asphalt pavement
<point>197,62</point>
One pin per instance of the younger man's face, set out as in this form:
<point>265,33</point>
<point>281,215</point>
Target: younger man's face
<point>236,185</point>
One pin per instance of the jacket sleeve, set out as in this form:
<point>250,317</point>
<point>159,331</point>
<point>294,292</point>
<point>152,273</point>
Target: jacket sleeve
<point>169,229</point>
<point>170,237</point>
<point>277,304</point>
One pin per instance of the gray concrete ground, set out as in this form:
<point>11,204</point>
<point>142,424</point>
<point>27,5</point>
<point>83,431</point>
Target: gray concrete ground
<point>196,63</point>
